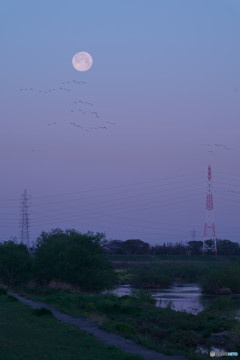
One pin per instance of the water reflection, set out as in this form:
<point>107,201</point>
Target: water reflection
<point>184,298</point>
<point>181,298</point>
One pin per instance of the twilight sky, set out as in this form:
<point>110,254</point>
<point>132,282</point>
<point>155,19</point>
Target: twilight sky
<point>121,148</point>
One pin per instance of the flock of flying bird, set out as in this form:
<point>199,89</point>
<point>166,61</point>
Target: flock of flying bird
<point>223,146</point>
<point>55,89</point>
<point>79,107</point>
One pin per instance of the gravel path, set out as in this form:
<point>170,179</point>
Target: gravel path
<point>101,335</point>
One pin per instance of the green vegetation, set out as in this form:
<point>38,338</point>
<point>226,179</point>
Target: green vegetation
<point>163,275</point>
<point>73,258</point>
<point>132,258</point>
<point>234,337</point>
<point>222,279</point>
<point>81,261</point>
<point>150,277</point>
<point>136,317</point>
<point>215,278</point>
<point>63,257</point>
<point>15,263</point>
<point>24,336</point>
<point>139,247</point>
<point>170,258</point>
<point>69,259</point>
<point>128,247</point>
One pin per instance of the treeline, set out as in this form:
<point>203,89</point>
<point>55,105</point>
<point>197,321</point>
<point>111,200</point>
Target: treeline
<point>139,247</point>
<point>60,256</point>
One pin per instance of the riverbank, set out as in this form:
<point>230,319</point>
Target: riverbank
<point>109,339</point>
<point>24,335</point>
<point>136,318</point>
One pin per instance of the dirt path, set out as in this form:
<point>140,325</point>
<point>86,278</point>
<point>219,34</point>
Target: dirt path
<point>101,335</point>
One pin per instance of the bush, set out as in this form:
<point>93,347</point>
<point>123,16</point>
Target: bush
<point>73,258</point>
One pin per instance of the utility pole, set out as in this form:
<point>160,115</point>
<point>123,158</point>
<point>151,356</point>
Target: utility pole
<point>209,241</point>
<point>24,220</point>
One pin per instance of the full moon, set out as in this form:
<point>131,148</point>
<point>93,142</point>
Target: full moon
<point>82,61</point>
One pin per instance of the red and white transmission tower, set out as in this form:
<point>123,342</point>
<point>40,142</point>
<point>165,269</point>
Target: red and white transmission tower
<point>209,241</point>
<point>24,220</point>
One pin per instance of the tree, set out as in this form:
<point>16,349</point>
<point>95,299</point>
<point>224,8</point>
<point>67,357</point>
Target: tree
<point>170,249</point>
<point>114,247</point>
<point>15,263</point>
<point>195,247</point>
<point>136,247</point>
<point>74,258</point>
<point>227,247</point>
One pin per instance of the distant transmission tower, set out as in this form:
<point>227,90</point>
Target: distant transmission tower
<point>209,241</point>
<point>24,220</point>
<point>193,233</point>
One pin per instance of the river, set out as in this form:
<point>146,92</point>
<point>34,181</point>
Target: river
<point>187,297</point>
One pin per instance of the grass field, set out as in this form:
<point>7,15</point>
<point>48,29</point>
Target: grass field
<point>25,336</point>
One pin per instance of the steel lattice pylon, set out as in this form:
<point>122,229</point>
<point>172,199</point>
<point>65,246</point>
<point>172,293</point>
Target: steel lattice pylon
<point>209,241</point>
<point>24,220</point>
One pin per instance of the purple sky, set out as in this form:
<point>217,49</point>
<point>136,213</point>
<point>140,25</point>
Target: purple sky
<point>165,79</point>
